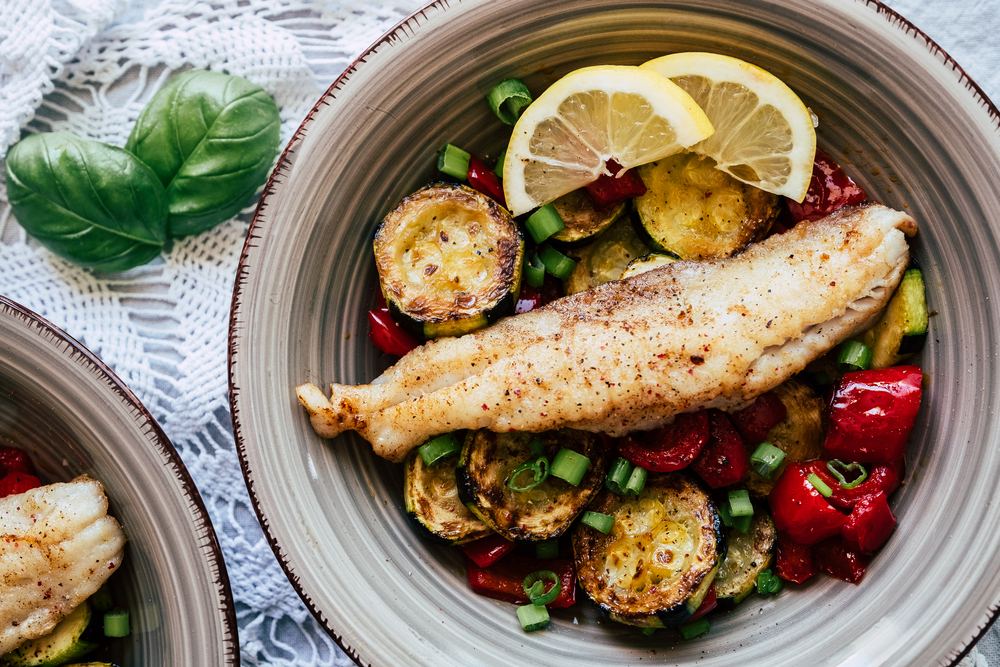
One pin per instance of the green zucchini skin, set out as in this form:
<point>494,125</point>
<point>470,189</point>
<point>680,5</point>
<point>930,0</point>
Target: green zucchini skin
<point>902,330</point>
<point>432,502</point>
<point>606,256</point>
<point>449,261</point>
<point>542,513</point>
<point>631,574</point>
<point>653,260</point>
<point>748,555</point>
<point>69,640</point>
<point>583,221</point>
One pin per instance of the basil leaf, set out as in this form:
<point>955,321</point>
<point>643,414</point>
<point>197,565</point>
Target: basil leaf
<point>211,138</point>
<point>87,202</point>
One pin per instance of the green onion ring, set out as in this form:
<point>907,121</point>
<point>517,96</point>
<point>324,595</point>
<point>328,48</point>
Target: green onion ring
<point>539,467</point>
<point>847,467</point>
<point>534,587</point>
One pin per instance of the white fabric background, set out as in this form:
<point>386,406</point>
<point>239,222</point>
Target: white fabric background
<point>89,66</point>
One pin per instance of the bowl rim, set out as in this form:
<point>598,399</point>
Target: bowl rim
<point>406,28</point>
<point>207,540</point>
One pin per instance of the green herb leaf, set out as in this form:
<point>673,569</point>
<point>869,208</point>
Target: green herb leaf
<point>87,202</point>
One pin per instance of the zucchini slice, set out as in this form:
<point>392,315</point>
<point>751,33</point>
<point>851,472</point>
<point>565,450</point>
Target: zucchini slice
<point>430,494</point>
<point>449,261</point>
<point>544,512</point>
<point>66,642</point>
<point>653,260</point>
<point>903,328</point>
<point>606,257</point>
<point>583,221</point>
<point>749,554</point>
<point>695,211</point>
<point>657,564</point>
<point>800,435</point>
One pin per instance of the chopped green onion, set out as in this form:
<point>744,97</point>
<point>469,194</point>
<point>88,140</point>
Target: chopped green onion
<point>766,459</point>
<point>768,582</point>
<point>725,515</point>
<point>544,222</point>
<point>647,631</point>
<point>742,523</point>
<point>820,485</point>
<point>534,587</point>
<point>598,521</point>
<point>636,481</point>
<point>540,472</point>
<point>453,161</point>
<point>555,262</point>
<point>570,466</point>
<point>739,503</point>
<point>116,623</point>
<point>547,549</point>
<point>439,448</point>
<point>498,169</point>
<point>694,628</point>
<point>860,474</point>
<point>534,271</point>
<point>854,356</point>
<point>508,99</point>
<point>532,617</point>
<point>618,476</point>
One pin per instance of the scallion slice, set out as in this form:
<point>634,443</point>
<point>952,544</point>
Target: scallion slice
<point>820,485</point>
<point>598,521</point>
<point>439,448</point>
<point>694,628</point>
<point>498,169</point>
<point>508,99</point>
<point>534,271</point>
<point>539,470</point>
<point>543,223</point>
<point>647,631</point>
<point>727,518</point>
<point>619,475</point>
<point>555,262</point>
<point>742,523</point>
<point>768,582</point>
<point>116,623</point>
<point>547,549</point>
<point>532,617</point>
<point>766,459</point>
<point>636,481</point>
<point>534,587</point>
<point>841,470</point>
<point>453,161</point>
<point>854,356</point>
<point>739,503</point>
<point>570,466</point>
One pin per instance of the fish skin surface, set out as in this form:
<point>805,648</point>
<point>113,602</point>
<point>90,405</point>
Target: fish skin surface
<point>630,354</point>
<point>57,547</point>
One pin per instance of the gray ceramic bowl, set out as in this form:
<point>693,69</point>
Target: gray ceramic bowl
<point>920,135</point>
<point>65,408</point>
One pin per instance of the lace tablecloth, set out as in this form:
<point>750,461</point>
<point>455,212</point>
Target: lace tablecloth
<point>89,66</point>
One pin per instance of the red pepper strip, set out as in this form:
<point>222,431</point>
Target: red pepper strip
<point>794,561</point>
<point>882,477</point>
<point>387,336</point>
<point>15,460</point>
<point>487,550</point>
<point>536,297</point>
<point>724,460</point>
<point>669,448</point>
<point>710,602</point>
<point>754,421</point>
<point>800,510</point>
<point>830,189</point>
<point>836,558</point>
<point>608,191</point>
<point>505,580</point>
<point>483,178</point>
<point>869,525</point>
<point>17,482</point>
<point>872,414</point>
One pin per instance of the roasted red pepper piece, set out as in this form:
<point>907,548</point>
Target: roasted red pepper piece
<point>794,561</point>
<point>505,580</point>
<point>882,477</point>
<point>754,421</point>
<point>608,191</point>
<point>483,178</point>
<point>800,510</point>
<point>387,336</point>
<point>710,602</point>
<point>669,448</point>
<point>724,460</point>
<point>872,414</point>
<point>13,459</point>
<point>487,550</point>
<point>870,524</point>
<point>536,297</point>
<point>17,482</point>
<point>836,558</point>
<point>830,189</point>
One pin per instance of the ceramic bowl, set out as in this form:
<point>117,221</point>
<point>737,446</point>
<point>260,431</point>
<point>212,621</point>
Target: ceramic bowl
<point>63,406</point>
<point>897,111</point>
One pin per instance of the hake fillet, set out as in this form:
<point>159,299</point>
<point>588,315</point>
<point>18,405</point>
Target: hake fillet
<point>58,546</point>
<point>630,354</point>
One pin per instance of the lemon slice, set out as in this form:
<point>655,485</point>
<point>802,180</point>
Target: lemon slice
<point>764,134</point>
<point>590,116</point>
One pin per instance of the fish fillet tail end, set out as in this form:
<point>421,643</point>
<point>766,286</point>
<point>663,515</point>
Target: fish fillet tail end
<point>328,420</point>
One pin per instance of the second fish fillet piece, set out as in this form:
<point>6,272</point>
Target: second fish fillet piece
<point>630,354</point>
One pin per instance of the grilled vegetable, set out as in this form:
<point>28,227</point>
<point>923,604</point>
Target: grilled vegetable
<point>449,261</point>
<point>545,511</point>
<point>659,560</point>
<point>605,258</point>
<point>749,553</point>
<point>653,260</point>
<point>431,497</point>
<point>583,221</point>
<point>695,211</point>
<point>69,640</point>
<point>903,328</point>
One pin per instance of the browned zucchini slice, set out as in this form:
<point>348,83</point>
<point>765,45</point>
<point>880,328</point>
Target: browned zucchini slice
<point>583,221</point>
<point>653,260</point>
<point>695,211</point>
<point>799,435</point>
<point>544,512</point>
<point>748,555</point>
<point>606,257</point>
<point>430,494</point>
<point>449,261</point>
<point>655,566</point>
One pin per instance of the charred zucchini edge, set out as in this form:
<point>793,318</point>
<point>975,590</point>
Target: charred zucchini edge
<point>425,510</point>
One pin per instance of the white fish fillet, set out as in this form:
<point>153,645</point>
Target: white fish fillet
<point>630,354</point>
<point>57,547</point>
